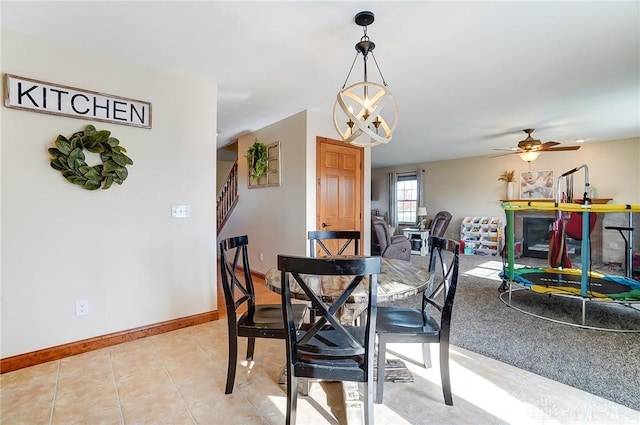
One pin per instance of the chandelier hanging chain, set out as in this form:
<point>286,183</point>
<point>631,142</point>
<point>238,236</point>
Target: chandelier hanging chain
<point>350,69</point>
<point>380,72</point>
<point>365,47</point>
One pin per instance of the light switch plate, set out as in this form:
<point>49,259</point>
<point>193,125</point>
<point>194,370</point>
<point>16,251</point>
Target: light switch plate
<point>181,211</point>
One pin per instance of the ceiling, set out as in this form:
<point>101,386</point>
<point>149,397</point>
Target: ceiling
<point>467,76</point>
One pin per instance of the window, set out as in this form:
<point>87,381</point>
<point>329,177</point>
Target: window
<point>407,198</point>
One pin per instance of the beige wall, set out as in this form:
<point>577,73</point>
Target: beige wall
<point>470,186</point>
<point>119,249</point>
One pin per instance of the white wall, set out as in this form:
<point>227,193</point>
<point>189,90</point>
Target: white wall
<point>277,219</point>
<point>118,248</point>
<point>470,186</point>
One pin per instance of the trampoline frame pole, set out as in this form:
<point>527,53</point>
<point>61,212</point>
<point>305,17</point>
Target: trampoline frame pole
<point>584,282</point>
<point>510,243</point>
<point>629,249</point>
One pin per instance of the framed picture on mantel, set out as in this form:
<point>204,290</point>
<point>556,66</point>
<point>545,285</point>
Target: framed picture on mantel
<point>536,185</point>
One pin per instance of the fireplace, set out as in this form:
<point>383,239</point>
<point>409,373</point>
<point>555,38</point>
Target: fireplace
<point>536,235</point>
<point>574,246</point>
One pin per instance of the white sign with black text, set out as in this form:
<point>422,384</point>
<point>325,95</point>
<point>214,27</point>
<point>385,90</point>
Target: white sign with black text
<point>39,96</point>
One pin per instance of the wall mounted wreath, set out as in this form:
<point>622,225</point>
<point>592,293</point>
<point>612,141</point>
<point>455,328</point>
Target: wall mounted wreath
<point>68,158</point>
<point>257,160</point>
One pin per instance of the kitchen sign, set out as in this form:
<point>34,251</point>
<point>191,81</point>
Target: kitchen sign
<point>47,98</point>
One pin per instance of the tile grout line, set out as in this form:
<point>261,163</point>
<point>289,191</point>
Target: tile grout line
<point>55,393</point>
<point>115,384</point>
<point>166,371</point>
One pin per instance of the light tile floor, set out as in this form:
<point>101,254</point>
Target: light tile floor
<point>179,377</point>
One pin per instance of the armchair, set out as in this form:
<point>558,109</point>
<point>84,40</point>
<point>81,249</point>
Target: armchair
<point>385,245</point>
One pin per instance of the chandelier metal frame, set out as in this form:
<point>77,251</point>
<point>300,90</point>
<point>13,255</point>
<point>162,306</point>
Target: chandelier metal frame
<point>357,113</point>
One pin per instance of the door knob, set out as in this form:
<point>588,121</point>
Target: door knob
<point>325,225</point>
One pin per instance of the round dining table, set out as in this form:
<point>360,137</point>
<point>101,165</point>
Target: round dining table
<point>398,279</point>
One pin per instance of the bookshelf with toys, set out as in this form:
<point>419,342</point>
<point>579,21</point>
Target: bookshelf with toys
<point>481,235</point>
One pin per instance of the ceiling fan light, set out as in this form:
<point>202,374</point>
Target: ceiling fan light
<point>529,156</point>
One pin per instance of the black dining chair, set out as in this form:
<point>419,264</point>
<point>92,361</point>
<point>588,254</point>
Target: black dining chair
<point>257,321</point>
<point>419,325</point>
<point>329,349</point>
<point>344,239</point>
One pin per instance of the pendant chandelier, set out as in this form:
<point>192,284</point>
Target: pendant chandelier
<point>365,113</point>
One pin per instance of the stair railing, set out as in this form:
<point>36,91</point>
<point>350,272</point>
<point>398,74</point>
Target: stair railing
<point>227,197</point>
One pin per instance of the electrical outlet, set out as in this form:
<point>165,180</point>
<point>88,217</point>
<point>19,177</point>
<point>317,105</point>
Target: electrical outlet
<point>82,307</point>
<point>261,256</point>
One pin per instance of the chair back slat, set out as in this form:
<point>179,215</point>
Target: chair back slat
<point>234,255</point>
<point>444,267</point>
<point>349,238</point>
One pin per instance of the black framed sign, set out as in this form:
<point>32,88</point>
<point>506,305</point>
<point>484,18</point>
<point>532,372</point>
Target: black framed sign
<point>56,99</point>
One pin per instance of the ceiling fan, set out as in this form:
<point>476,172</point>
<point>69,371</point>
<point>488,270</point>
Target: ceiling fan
<point>530,148</point>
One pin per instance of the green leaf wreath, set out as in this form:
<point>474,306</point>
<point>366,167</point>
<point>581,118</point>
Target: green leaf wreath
<point>68,158</point>
<point>257,160</point>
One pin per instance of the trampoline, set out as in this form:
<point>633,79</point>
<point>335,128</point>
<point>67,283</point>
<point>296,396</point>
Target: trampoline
<point>561,280</point>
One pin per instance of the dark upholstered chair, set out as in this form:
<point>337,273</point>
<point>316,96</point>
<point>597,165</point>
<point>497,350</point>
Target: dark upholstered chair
<point>385,245</point>
<point>328,349</point>
<point>411,325</point>
<point>259,321</point>
<point>439,224</point>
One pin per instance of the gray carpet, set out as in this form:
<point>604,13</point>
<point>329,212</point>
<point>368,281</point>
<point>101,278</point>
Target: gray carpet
<point>606,364</point>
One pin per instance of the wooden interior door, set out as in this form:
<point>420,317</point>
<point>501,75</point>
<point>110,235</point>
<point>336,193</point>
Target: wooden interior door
<point>339,190</point>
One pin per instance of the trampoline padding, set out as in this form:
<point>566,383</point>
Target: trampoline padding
<point>568,281</point>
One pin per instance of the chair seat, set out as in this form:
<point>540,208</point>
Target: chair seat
<point>270,317</point>
<point>331,342</point>
<point>340,370</point>
<point>405,320</point>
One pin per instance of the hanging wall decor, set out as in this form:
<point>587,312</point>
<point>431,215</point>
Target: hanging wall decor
<point>32,95</point>
<point>68,157</point>
<point>257,160</point>
<point>264,165</point>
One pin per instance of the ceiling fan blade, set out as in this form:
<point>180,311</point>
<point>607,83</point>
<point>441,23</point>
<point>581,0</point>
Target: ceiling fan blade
<point>503,154</point>
<point>514,150</point>
<point>564,148</point>
<point>546,145</point>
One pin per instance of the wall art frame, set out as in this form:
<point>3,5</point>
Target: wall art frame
<point>536,184</point>
<point>272,177</point>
